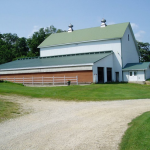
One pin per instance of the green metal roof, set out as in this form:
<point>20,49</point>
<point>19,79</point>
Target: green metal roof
<point>74,59</point>
<point>136,66</point>
<point>85,35</point>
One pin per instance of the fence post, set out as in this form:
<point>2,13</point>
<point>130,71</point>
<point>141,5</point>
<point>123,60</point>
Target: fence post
<point>14,79</point>
<point>77,79</point>
<point>53,80</point>
<point>32,80</point>
<point>23,80</point>
<point>64,80</point>
<point>42,80</point>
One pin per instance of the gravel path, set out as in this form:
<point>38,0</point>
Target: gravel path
<point>60,125</point>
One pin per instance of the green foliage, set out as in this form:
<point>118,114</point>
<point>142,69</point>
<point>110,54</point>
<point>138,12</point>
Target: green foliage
<point>137,136</point>
<point>94,92</point>
<point>12,47</point>
<point>38,37</point>
<point>144,50</point>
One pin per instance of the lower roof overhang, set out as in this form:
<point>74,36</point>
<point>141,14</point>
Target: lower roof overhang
<point>134,70</point>
<point>63,68</point>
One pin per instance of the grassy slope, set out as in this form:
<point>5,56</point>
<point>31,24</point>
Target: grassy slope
<point>89,92</point>
<point>137,137</point>
<point>8,110</point>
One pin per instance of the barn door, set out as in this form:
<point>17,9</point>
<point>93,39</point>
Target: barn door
<point>100,74</point>
<point>132,75</point>
<point>117,76</point>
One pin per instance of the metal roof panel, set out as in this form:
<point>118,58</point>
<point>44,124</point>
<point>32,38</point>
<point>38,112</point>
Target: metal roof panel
<point>55,61</point>
<point>85,35</point>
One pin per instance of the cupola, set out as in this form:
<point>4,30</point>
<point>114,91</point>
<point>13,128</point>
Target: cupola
<point>103,24</point>
<point>70,28</point>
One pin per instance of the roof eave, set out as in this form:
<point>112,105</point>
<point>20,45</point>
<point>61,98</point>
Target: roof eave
<point>133,69</point>
<point>134,40</point>
<point>79,42</point>
<point>41,67</point>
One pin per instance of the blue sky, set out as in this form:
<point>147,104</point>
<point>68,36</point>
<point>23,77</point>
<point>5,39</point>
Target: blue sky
<point>24,17</point>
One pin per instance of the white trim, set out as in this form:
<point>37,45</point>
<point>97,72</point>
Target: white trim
<point>62,69</point>
<point>134,69</point>
<point>47,67</point>
<point>79,42</point>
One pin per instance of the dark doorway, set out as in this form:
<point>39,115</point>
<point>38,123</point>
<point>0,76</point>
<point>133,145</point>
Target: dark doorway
<point>117,76</point>
<point>109,74</point>
<point>100,75</point>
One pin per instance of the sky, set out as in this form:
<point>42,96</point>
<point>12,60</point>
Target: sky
<point>24,17</point>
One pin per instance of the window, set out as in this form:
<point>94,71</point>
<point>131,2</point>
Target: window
<point>135,73</point>
<point>130,73</point>
<point>128,37</point>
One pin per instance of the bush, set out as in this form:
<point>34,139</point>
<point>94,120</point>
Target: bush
<point>1,81</point>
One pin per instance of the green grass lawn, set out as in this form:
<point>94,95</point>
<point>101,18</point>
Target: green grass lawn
<point>94,92</point>
<point>8,110</point>
<point>137,136</point>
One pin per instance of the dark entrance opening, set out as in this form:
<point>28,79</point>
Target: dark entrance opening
<point>100,75</point>
<point>109,74</point>
<point>117,76</point>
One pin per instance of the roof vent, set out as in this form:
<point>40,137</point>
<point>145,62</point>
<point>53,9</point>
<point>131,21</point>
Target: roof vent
<point>103,24</point>
<point>70,28</point>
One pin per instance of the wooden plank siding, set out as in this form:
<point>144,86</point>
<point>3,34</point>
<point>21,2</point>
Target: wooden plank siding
<point>83,76</point>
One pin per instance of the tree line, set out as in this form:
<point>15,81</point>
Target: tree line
<point>13,47</point>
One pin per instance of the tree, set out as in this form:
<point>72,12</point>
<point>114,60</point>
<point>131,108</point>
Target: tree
<point>38,37</point>
<point>20,48</point>
<point>12,47</point>
<point>144,50</point>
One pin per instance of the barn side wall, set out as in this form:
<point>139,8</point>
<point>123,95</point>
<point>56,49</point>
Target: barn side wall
<point>83,76</point>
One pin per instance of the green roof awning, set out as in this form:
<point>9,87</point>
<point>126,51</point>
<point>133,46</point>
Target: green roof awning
<point>86,35</point>
<point>136,66</point>
<point>41,62</point>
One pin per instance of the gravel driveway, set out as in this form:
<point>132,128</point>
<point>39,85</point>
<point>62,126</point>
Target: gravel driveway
<point>60,125</point>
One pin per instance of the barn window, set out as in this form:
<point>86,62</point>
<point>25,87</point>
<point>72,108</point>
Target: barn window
<point>128,37</point>
<point>135,73</point>
<point>130,73</point>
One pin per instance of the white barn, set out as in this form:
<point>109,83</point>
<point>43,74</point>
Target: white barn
<point>100,54</point>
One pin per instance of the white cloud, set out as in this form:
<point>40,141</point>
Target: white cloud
<point>134,26</point>
<point>139,35</point>
<point>35,28</point>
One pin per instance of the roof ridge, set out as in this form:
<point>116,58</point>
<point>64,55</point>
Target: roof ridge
<point>114,31</point>
<point>90,28</point>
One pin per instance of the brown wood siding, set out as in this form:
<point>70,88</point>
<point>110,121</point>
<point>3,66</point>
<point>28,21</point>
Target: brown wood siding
<point>83,76</point>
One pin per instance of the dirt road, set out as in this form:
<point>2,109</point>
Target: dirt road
<point>60,125</point>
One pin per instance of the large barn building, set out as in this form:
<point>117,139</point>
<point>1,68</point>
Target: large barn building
<point>100,54</point>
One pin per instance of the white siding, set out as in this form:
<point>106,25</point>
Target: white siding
<point>129,52</point>
<point>148,73</point>
<point>108,45</point>
<point>140,75</point>
<point>126,76</point>
<point>105,62</point>
<point>114,45</point>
